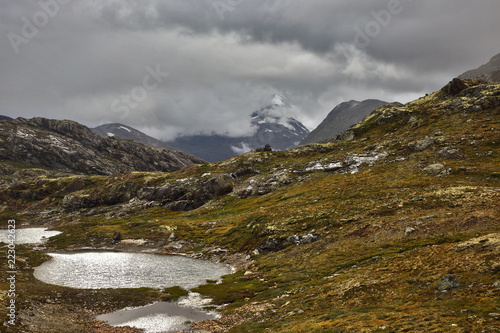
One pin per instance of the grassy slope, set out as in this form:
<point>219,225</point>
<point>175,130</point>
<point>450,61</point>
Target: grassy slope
<point>365,273</point>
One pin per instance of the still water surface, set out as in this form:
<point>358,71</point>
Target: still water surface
<point>28,235</point>
<point>157,318</point>
<point>97,270</point>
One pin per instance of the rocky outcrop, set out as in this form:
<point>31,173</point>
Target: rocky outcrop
<point>69,146</point>
<point>454,87</point>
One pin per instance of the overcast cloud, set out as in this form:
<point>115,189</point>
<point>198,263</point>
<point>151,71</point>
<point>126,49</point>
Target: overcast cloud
<point>170,67</point>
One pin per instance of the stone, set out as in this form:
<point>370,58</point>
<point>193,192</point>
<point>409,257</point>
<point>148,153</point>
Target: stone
<point>409,230</point>
<point>306,239</point>
<point>117,236</point>
<point>496,285</point>
<point>434,169</point>
<point>421,145</point>
<point>450,152</point>
<point>219,185</point>
<point>447,282</point>
<point>454,87</point>
<point>273,245</point>
<point>494,315</point>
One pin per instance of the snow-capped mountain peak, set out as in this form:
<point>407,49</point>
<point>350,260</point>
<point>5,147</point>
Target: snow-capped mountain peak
<point>278,100</point>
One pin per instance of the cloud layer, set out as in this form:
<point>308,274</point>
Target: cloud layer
<point>176,67</point>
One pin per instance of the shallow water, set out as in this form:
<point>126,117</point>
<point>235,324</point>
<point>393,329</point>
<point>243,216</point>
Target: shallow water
<point>157,318</point>
<point>97,270</point>
<point>28,235</point>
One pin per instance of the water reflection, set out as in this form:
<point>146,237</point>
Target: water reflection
<point>28,235</point>
<point>96,270</point>
<point>157,318</point>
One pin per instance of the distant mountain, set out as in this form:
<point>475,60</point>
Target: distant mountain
<point>273,125</point>
<point>69,146</point>
<point>5,118</point>
<point>341,118</point>
<point>212,148</point>
<point>127,132</point>
<point>489,72</point>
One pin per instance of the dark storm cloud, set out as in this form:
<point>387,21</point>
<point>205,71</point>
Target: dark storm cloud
<point>92,61</point>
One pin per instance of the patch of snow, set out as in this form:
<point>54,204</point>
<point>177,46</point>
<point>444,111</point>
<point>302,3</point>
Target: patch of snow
<point>134,241</point>
<point>278,100</point>
<point>110,134</point>
<point>324,167</point>
<point>287,125</point>
<point>127,129</point>
<point>194,300</point>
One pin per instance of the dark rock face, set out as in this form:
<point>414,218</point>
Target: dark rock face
<point>454,87</point>
<point>69,146</point>
<point>117,236</point>
<point>341,118</point>
<point>273,245</point>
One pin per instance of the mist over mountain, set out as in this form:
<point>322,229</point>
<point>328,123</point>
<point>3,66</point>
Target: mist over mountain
<point>341,118</point>
<point>273,125</point>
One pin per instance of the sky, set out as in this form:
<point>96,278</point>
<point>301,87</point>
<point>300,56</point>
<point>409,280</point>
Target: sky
<point>177,67</point>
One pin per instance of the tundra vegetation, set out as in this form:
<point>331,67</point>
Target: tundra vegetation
<point>391,227</point>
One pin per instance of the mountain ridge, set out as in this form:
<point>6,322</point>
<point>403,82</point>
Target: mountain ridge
<point>488,72</point>
<point>127,132</point>
<point>72,147</point>
<point>341,118</point>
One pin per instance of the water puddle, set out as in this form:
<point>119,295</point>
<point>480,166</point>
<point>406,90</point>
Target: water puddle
<point>160,317</point>
<point>97,270</point>
<point>28,235</point>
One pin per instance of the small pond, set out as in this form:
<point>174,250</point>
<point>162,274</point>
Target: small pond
<point>97,270</point>
<point>28,235</point>
<point>159,317</point>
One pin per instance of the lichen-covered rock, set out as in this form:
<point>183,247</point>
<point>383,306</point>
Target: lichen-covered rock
<point>421,145</point>
<point>219,185</point>
<point>434,169</point>
<point>448,282</point>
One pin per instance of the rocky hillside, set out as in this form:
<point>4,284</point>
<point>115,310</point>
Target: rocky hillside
<point>5,118</point>
<point>341,118</point>
<point>71,147</point>
<point>394,226</point>
<point>127,132</point>
<point>272,124</point>
<point>488,72</point>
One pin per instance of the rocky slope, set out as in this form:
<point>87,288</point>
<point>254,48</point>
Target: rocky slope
<point>393,226</point>
<point>272,123</point>
<point>68,146</point>
<point>341,118</point>
<point>488,72</point>
<point>5,118</point>
<point>127,132</point>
